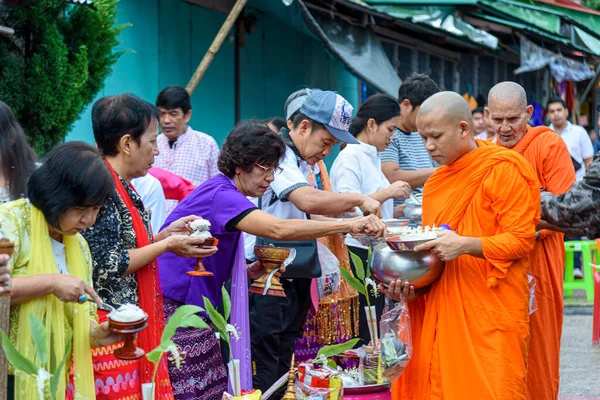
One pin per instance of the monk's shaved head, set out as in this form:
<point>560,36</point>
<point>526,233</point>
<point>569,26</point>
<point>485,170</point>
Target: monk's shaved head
<point>447,105</point>
<point>508,113</point>
<point>444,122</point>
<point>507,91</point>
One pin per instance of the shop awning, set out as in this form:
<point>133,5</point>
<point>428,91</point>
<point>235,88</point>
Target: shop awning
<point>439,17</point>
<point>590,41</point>
<point>553,19</point>
<point>534,57</point>
<point>522,27</point>
<point>548,21</point>
<point>358,48</point>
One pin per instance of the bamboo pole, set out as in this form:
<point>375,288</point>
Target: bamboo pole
<point>215,46</point>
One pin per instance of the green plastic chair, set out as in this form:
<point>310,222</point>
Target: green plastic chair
<point>589,254</point>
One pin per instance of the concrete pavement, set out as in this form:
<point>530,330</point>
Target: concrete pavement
<point>580,360</point>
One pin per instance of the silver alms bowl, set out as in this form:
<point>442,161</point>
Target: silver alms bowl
<point>420,268</point>
<point>413,210</point>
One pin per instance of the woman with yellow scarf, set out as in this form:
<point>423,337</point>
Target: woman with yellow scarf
<point>51,267</point>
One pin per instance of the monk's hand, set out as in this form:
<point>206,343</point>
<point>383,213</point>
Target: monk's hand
<point>398,190</point>
<point>370,206</point>
<point>370,225</point>
<point>447,247</point>
<point>398,289</point>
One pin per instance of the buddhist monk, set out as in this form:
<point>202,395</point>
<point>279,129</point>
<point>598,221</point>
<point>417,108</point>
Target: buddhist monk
<point>476,324</point>
<point>549,156</point>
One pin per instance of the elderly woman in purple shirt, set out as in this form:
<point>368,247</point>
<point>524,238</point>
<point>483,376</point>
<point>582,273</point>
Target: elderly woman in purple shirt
<point>248,162</point>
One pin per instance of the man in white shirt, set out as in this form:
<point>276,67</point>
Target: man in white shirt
<point>575,136</point>
<point>153,197</point>
<point>275,322</point>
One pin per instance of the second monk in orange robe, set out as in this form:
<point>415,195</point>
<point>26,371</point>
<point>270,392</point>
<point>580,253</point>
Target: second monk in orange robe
<point>476,325</point>
<point>549,156</point>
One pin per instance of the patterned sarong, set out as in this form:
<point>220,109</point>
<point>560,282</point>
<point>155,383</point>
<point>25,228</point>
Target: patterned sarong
<point>203,375</point>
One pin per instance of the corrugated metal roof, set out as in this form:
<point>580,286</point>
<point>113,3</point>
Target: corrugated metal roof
<point>423,2</point>
<point>528,28</point>
<point>548,21</point>
<point>570,4</point>
<point>440,19</point>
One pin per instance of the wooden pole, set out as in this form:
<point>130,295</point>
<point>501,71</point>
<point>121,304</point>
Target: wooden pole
<point>215,46</point>
<point>4,325</point>
<point>7,248</point>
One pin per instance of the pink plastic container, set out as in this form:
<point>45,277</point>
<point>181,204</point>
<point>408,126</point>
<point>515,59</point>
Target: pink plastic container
<point>370,392</point>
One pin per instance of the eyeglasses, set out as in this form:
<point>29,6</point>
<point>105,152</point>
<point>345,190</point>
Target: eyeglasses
<point>267,170</point>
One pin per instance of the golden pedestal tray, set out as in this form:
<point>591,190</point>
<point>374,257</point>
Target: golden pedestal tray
<point>271,259</point>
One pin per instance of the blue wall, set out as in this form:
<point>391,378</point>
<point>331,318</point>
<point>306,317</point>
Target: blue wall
<point>167,41</point>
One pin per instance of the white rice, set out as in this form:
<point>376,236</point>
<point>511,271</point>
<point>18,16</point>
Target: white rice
<point>127,313</point>
<point>200,225</point>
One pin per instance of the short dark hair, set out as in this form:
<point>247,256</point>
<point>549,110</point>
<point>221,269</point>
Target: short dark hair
<point>17,158</point>
<point>250,142</point>
<point>554,100</point>
<point>417,88</point>
<point>478,110</point>
<point>298,117</point>
<point>72,175</point>
<point>380,107</point>
<point>278,122</point>
<point>174,97</point>
<point>116,116</point>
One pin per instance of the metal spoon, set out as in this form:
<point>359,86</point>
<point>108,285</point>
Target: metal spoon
<point>414,198</point>
<point>106,306</point>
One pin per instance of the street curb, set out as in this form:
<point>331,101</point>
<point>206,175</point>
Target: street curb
<point>578,310</point>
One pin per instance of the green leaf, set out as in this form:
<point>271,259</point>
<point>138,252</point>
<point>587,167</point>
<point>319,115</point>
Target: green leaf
<point>331,364</point>
<point>15,358</point>
<point>226,303</point>
<point>38,333</point>
<point>155,355</point>
<point>217,319</point>
<point>194,321</point>
<point>352,281</point>
<point>58,374</point>
<point>335,349</point>
<point>358,266</point>
<point>177,319</point>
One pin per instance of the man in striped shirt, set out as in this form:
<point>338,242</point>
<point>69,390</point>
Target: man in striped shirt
<point>406,158</point>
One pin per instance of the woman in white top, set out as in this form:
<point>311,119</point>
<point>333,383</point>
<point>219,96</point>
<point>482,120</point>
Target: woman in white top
<point>357,169</point>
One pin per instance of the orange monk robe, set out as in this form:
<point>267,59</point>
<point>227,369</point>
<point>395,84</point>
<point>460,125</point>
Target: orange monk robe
<point>405,387</point>
<point>549,156</point>
<point>476,326</point>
